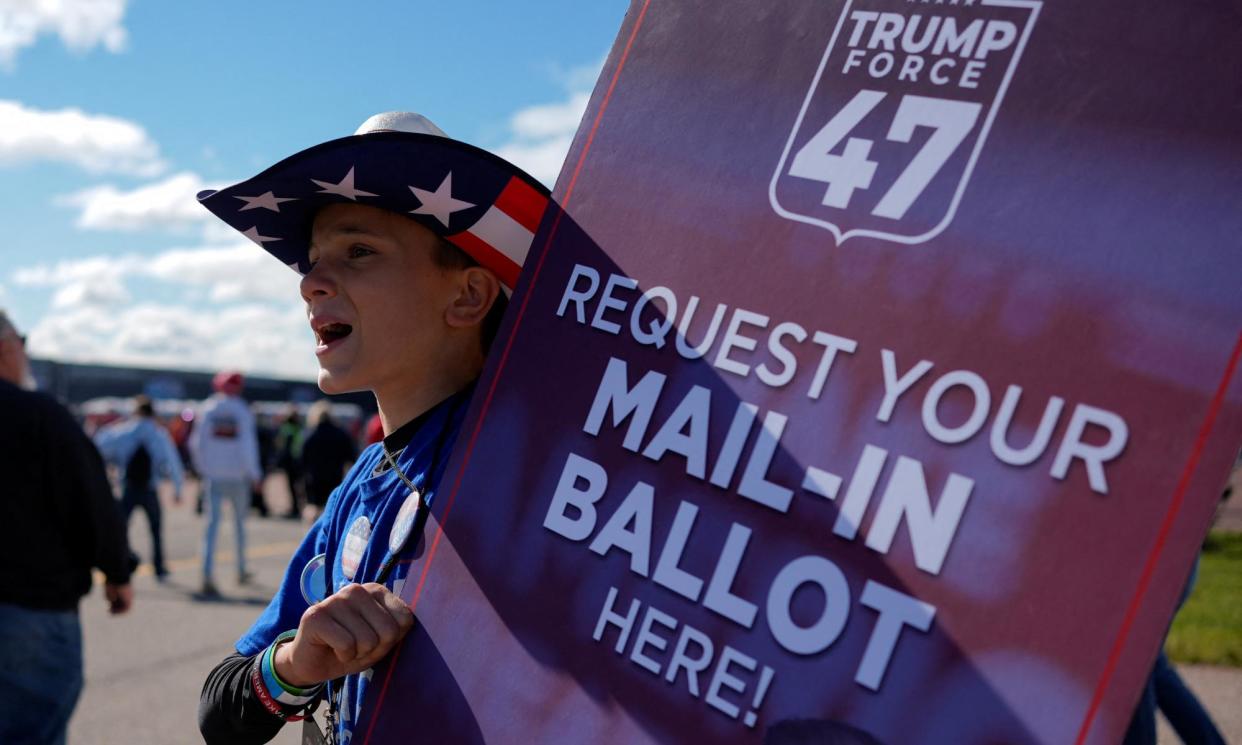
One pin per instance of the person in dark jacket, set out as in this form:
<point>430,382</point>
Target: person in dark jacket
<point>62,521</point>
<point>327,453</point>
<point>143,451</point>
<point>288,458</point>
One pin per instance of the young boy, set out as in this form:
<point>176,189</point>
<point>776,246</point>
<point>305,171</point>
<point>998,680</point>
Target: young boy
<point>408,243</point>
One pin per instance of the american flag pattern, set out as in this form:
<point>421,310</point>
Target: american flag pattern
<point>478,201</point>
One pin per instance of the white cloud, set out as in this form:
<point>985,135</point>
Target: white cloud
<point>81,25</point>
<point>229,273</point>
<point>257,338</point>
<point>218,232</point>
<point>582,77</point>
<point>171,203</point>
<point>540,135</point>
<point>95,142</point>
<point>236,306</point>
<point>550,120</point>
<point>99,292</point>
<point>76,270</point>
<point>542,159</point>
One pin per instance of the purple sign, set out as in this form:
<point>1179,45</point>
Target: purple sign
<point>876,383</point>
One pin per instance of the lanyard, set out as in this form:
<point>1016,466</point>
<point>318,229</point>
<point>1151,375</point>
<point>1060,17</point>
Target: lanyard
<point>420,519</point>
<point>336,688</point>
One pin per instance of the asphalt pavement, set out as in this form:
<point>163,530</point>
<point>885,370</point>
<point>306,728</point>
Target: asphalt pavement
<point>144,670</point>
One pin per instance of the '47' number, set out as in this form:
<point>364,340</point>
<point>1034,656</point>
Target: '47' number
<point>851,170</point>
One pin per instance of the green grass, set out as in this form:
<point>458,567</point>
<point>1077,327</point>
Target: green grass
<point>1208,630</point>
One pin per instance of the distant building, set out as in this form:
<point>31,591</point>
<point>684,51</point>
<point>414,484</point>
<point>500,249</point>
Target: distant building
<point>75,383</point>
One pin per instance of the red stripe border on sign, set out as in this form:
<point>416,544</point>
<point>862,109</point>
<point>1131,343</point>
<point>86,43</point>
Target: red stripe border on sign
<point>1149,568</point>
<point>504,357</point>
<point>520,201</point>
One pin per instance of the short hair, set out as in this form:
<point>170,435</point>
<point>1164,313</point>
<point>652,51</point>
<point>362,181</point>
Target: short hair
<point>448,256</point>
<point>143,406</point>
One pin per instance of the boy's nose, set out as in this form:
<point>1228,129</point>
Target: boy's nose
<point>318,282</point>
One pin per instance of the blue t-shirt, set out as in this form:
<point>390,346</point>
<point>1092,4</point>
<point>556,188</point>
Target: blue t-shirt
<point>361,529</point>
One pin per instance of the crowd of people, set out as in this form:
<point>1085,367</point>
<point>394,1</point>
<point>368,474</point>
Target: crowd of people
<point>228,452</point>
<point>74,491</point>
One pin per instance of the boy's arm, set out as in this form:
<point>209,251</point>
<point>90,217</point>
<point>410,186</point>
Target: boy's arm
<point>229,709</point>
<point>346,633</point>
<point>246,699</point>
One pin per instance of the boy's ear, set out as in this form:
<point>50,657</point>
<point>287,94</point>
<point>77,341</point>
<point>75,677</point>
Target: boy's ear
<point>477,289</point>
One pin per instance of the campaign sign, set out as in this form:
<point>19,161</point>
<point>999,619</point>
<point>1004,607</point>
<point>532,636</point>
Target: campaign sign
<point>877,382</point>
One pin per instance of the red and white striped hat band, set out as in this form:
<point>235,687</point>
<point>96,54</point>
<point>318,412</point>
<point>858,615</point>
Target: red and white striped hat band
<point>501,238</point>
<point>403,163</point>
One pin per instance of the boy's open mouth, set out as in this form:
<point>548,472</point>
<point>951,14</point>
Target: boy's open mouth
<point>333,332</point>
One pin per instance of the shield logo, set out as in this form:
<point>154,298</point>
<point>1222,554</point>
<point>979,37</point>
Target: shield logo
<point>897,115</point>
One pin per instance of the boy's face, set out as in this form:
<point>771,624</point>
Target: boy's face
<point>375,297</point>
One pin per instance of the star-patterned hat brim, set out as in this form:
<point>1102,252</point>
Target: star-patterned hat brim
<point>478,201</point>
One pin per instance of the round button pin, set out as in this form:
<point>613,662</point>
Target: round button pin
<point>355,543</point>
<point>404,523</point>
<point>314,586</point>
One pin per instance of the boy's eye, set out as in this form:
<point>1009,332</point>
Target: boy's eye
<point>358,250</point>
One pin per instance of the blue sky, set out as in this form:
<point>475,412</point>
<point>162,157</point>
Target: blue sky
<point>114,113</point>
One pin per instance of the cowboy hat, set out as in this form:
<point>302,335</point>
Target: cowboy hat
<point>401,162</point>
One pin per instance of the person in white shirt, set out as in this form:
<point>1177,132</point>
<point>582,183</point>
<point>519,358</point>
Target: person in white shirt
<point>225,452</point>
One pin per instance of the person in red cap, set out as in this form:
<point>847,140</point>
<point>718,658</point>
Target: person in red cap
<point>408,243</point>
<point>225,452</point>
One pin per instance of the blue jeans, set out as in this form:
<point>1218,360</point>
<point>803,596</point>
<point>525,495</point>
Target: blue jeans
<point>1165,691</point>
<point>237,493</point>
<point>40,674</point>
<point>1182,708</point>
